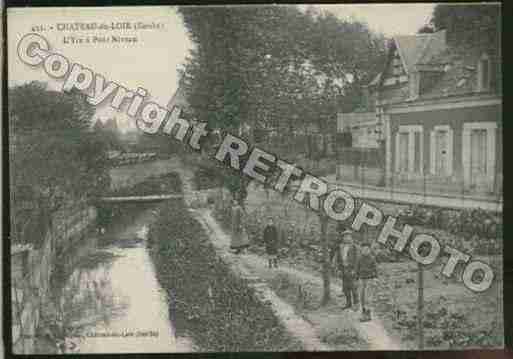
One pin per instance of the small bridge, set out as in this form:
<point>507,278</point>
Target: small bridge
<point>147,198</point>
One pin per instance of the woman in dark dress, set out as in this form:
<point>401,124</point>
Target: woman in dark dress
<point>240,239</point>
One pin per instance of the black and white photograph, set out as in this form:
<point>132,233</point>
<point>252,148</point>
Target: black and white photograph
<point>254,178</point>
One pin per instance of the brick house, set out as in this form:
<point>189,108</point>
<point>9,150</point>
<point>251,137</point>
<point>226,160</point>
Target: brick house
<point>439,106</point>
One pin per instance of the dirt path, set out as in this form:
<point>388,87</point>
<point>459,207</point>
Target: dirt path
<point>313,327</point>
<point>295,325</point>
<point>299,285</point>
<point>372,332</point>
<point>321,320</point>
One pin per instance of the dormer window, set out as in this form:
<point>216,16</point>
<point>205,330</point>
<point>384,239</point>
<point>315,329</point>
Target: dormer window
<point>484,73</point>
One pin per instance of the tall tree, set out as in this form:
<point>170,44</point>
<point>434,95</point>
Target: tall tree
<point>276,67</point>
<point>241,70</point>
<point>475,23</point>
<point>53,151</point>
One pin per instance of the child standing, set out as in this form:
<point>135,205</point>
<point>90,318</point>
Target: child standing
<point>366,270</point>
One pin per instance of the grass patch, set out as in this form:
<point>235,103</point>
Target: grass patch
<point>207,301</point>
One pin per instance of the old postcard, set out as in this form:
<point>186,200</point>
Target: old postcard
<point>254,178</point>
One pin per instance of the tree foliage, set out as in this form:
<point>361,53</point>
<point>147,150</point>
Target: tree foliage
<point>447,16</point>
<point>54,157</point>
<point>275,67</point>
<point>108,133</point>
<point>470,23</point>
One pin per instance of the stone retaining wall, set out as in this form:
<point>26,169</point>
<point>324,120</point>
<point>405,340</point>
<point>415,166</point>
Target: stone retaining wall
<point>31,270</point>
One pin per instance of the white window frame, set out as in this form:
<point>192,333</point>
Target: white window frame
<point>411,130</point>
<point>491,128</point>
<point>388,146</point>
<point>450,148</point>
<point>482,87</point>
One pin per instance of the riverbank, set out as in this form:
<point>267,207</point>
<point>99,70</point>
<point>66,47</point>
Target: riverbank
<point>112,301</point>
<point>137,319</point>
<point>207,300</point>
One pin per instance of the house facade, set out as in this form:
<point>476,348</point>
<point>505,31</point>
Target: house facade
<point>364,128</point>
<point>439,104</point>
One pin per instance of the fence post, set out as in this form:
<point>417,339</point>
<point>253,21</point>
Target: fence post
<point>362,165</point>
<point>325,260</point>
<point>355,160</point>
<point>420,305</point>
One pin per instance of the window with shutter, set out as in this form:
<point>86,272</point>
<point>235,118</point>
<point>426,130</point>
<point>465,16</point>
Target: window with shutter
<point>403,151</point>
<point>484,72</point>
<point>417,160</point>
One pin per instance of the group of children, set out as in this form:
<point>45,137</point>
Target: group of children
<point>355,262</point>
<point>358,267</point>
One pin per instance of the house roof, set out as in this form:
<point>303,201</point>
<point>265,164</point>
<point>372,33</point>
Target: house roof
<point>459,75</point>
<point>415,50</point>
<point>376,80</point>
<point>435,45</point>
<point>419,49</point>
<point>450,70</point>
<point>410,48</point>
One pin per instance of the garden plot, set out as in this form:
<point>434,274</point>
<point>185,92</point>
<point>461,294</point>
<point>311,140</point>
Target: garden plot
<point>454,316</point>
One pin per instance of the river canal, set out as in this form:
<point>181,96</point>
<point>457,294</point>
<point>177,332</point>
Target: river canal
<point>115,300</point>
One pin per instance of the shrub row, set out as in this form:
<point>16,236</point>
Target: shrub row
<point>450,329</point>
<point>153,185</point>
<point>207,301</point>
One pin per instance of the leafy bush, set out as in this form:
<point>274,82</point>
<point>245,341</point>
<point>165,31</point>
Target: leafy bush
<point>450,329</point>
<point>482,230</point>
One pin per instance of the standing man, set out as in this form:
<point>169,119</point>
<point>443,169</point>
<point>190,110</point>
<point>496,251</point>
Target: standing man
<point>346,253</point>
<point>271,243</point>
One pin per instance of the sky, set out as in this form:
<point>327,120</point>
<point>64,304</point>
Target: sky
<point>152,62</point>
<point>389,19</point>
